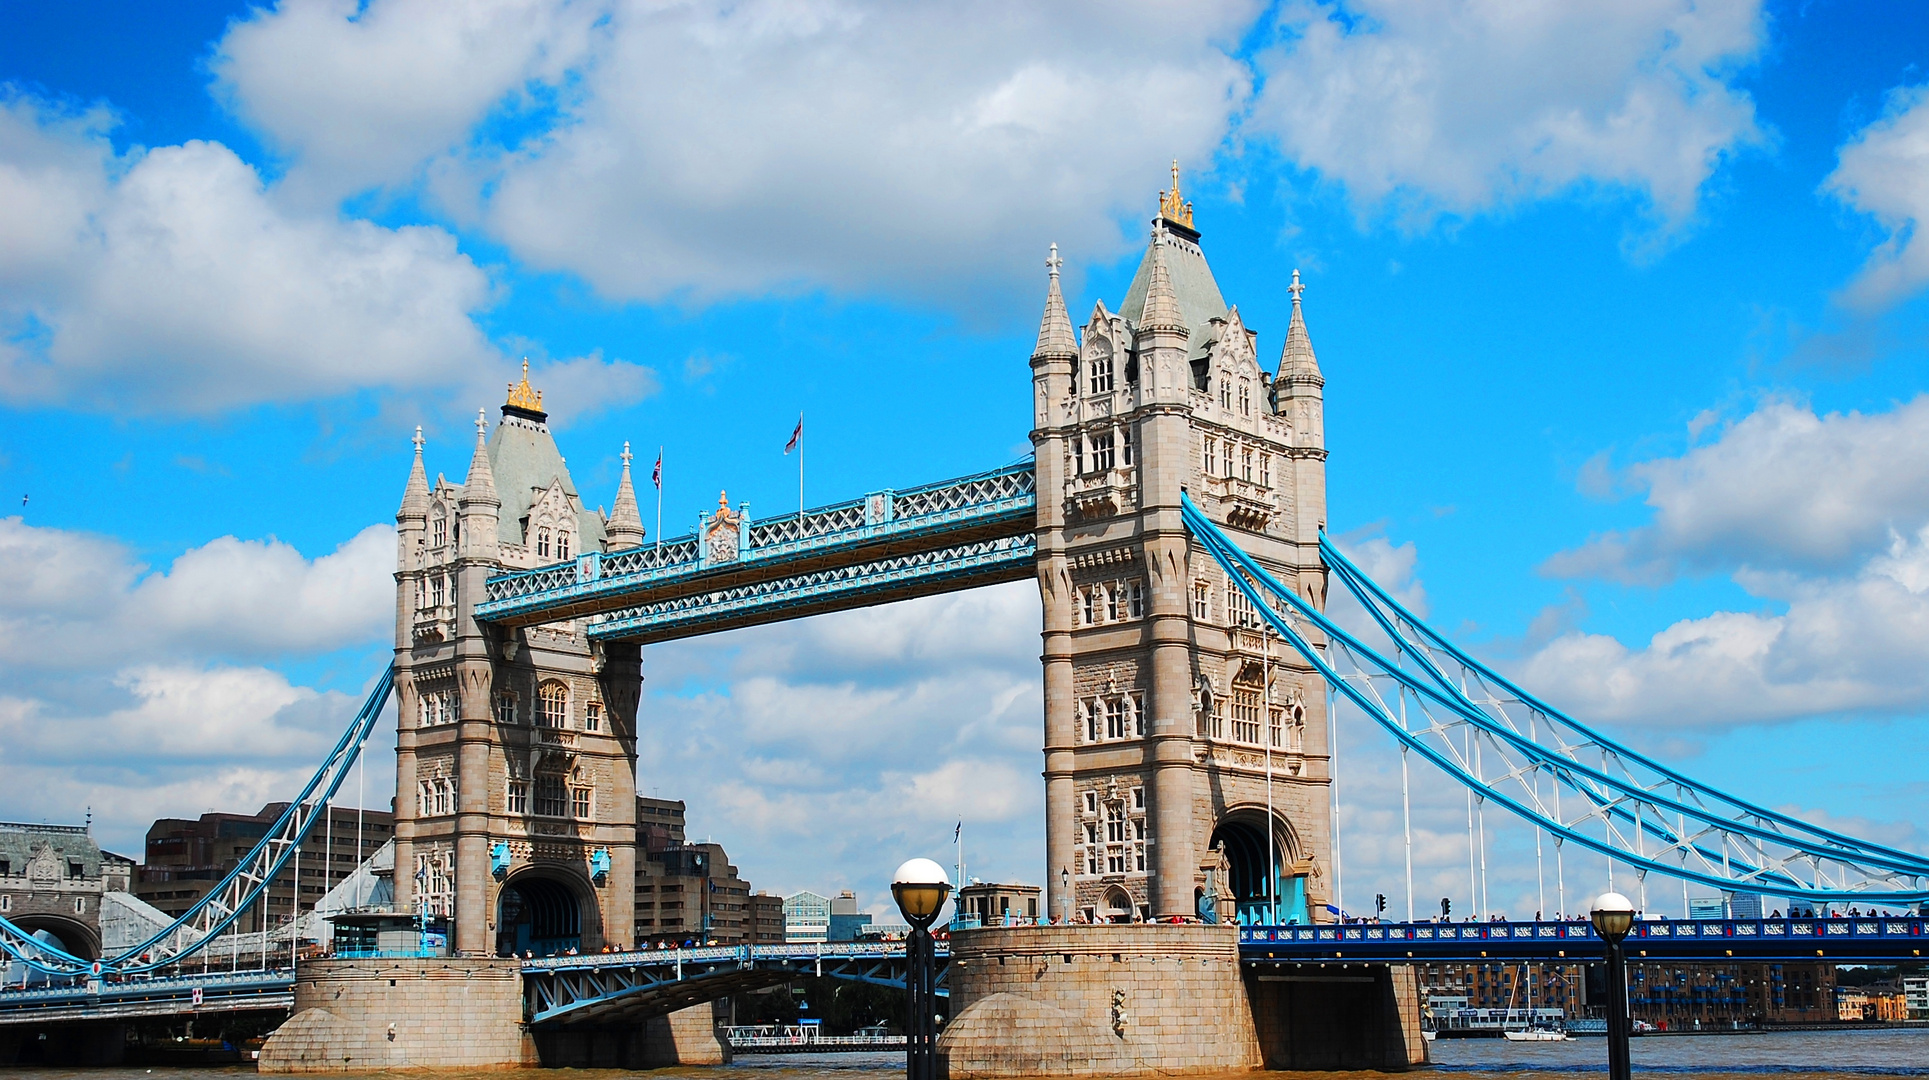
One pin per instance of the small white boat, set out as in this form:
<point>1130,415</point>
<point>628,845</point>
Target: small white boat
<point>1428,1035</point>
<point>1536,1035</point>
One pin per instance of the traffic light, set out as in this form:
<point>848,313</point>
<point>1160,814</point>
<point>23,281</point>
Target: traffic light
<point>1446,907</point>
<point>1379,902</point>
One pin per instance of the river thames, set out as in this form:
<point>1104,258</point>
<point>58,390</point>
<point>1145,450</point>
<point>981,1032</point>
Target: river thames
<point>1894,1052</point>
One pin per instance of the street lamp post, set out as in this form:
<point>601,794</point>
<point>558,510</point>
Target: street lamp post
<point>1065,896</point>
<point>920,888</point>
<point>1613,917</point>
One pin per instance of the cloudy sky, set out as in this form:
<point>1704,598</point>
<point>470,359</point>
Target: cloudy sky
<point>1621,306</point>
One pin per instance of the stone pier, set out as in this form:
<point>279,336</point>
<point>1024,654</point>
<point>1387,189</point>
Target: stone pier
<point>1097,1000</point>
<point>1123,1000</point>
<point>362,1015</point>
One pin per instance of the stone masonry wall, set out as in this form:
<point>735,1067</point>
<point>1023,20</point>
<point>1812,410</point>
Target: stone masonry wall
<point>1097,1000</point>
<point>362,1015</point>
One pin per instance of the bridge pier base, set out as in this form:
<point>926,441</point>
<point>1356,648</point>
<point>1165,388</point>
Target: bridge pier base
<point>1097,1001</point>
<point>101,1042</point>
<point>377,1014</point>
<point>685,1037</point>
<point>1337,1016</point>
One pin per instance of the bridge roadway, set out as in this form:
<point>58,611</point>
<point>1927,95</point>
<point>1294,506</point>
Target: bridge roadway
<point>143,997</point>
<point>887,546</point>
<point>1866,939</point>
<point>597,988</point>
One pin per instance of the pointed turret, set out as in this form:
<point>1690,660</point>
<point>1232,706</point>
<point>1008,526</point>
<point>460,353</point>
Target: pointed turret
<point>1296,362</point>
<point>480,485</point>
<point>480,508</point>
<point>1161,310</point>
<point>625,528</point>
<point>1055,336</point>
<point>415,497</point>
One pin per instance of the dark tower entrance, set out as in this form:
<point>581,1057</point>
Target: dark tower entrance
<point>1250,871</point>
<point>537,915</point>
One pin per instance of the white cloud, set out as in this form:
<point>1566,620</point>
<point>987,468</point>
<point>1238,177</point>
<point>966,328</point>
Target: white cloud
<point>141,693</point>
<point>1467,106</point>
<point>711,148</point>
<point>62,593</point>
<point>1883,171</point>
<point>361,95</point>
<point>173,279</point>
<point>1855,643</point>
<point>1782,488</point>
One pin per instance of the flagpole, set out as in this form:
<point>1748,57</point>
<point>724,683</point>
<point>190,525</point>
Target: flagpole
<point>800,476</point>
<point>659,498</point>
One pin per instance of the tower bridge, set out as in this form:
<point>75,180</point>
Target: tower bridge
<point>1172,514</point>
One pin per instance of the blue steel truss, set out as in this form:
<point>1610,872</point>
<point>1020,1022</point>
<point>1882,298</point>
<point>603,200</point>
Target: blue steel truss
<point>198,927</point>
<point>879,581</point>
<point>1552,771</point>
<point>94,999</point>
<point>564,990</point>
<point>888,545</point>
<point>1870,938</point>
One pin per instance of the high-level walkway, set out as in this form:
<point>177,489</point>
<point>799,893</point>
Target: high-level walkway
<point>734,572</point>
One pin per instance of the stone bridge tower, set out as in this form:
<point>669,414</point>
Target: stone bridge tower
<point>515,800</point>
<point>1185,746</point>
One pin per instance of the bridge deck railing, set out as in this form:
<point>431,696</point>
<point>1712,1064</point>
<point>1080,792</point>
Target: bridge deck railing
<point>1808,933</point>
<point>876,517</point>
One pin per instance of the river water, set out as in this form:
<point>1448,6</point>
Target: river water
<point>1794,1054</point>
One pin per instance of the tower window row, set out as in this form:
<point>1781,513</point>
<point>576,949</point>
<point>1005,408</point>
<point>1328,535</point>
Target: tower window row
<point>1110,602</point>
<point>1227,458</point>
<point>435,590</point>
<point>436,797</point>
<point>552,708</point>
<point>1112,717</point>
<point>1244,394</point>
<point>1112,834</point>
<point>1102,451</point>
<point>436,707</point>
<point>435,882</point>
<point>552,544</point>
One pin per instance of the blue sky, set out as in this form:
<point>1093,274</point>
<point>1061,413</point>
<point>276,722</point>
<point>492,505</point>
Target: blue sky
<point>1621,308</point>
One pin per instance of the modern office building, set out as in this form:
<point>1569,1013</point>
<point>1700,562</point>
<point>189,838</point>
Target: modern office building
<point>807,919</point>
<point>187,857</point>
<point>685,891</point>
<point>847,923</point>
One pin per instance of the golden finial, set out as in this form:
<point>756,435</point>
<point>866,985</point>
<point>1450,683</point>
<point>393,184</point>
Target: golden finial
<point>1172,206</point>
<point>525,396</point>
<point>723,502</point>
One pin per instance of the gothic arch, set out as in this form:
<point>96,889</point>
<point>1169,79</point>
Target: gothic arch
<point>1242,830</point>
<point>547,909</point>
<point>75,935</point>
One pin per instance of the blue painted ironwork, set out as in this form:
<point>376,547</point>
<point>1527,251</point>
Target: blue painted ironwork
<point>1868,938</point>
<point>198,927</point>
<point>1524,755</point>
<point>883,526</point>
<point>900,577</point>
<point>93,999</point>
<point>576,989</point>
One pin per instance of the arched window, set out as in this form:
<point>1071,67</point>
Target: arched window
<point>542,543</point>
<point>553,700</point>
<point>438,530</point>
<point>562,545</point>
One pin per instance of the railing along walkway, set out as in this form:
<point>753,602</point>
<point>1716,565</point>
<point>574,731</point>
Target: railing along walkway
<point>955,527</point>
<point>1893,937</point>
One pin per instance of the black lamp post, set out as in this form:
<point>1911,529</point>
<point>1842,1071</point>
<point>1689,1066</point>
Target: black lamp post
<point>1613,917</point>
<point>1065,894</point>
<point>920,888</point>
